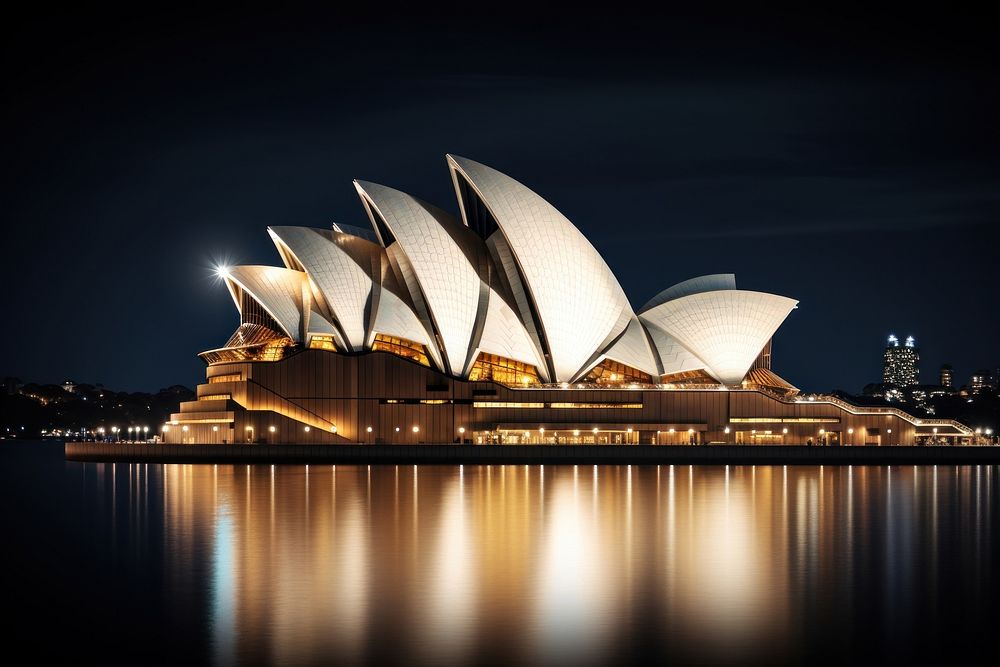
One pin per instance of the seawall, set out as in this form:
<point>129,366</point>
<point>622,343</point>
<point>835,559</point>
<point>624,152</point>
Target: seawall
<point>530,454</point>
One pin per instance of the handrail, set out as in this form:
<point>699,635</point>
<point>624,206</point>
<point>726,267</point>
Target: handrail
<point>880,409</point>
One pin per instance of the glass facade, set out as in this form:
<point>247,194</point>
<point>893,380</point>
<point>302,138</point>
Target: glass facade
<point>318,342</point>
<point>612,373</point>
<point>493,367</point>
<point>401,347</point>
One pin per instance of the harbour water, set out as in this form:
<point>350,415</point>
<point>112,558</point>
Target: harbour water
<point>439,565</point>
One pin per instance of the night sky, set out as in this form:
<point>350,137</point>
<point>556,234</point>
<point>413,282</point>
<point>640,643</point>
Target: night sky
<point>849,161</point>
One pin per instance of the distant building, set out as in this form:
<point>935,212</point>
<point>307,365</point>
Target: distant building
<point>947,377</point>
<point>900,363</point>
<point>69,386</point>
<point>981,380</point>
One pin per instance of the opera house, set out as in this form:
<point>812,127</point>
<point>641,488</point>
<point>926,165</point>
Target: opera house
<point>499,325</point>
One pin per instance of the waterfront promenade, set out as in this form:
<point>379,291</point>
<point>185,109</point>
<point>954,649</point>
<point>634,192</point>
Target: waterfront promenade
<point>530,454</point>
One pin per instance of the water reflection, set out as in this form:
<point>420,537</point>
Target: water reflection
<point>572,564</point>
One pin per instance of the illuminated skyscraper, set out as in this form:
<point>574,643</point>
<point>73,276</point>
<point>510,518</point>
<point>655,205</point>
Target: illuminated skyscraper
<point>947,376</point>
<point>900,366</point>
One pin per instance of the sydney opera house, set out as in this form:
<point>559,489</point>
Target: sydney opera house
<point>499,325</point>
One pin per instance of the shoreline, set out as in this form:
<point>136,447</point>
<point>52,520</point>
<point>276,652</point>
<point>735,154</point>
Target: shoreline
<point>99,452</point>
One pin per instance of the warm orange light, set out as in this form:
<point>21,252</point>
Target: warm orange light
<point>271,429</point>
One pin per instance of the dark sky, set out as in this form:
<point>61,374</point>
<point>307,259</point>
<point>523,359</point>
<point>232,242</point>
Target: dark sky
<point>849,161</point>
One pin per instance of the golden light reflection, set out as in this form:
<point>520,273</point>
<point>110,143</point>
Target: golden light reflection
<point>530,564</point>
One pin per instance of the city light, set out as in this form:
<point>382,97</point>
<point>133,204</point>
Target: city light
<point>416,429</point>
<point>333,429</point>
<point>222,271</point>
<point>369,429</point>
<point>307,429</point>
<point>461,429</point>
<point>272,429</point>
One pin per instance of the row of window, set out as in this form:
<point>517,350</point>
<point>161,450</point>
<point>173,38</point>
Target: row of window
<point>510,404</point>
<point>786,420</point>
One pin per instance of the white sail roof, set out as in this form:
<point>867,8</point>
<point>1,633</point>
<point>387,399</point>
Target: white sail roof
<point>633,349</point>
<point>576,296</point>
<point>710,283</point>
<point>440,252</point>
<point>336,263</point>
<point>725,328</point>
<point>279,291</point>
<point>674,357</point>
<point>503,334</point>
<point>394,317</point>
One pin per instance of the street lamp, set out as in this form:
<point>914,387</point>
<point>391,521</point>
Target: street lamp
<point>850,431</point>
<point>145,432</point>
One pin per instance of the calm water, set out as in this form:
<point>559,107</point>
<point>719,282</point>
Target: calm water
<point>497,564</point>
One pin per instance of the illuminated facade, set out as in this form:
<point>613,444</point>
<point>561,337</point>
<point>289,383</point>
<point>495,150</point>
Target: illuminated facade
<point>499,324</point>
